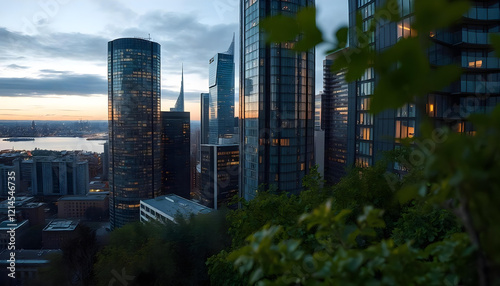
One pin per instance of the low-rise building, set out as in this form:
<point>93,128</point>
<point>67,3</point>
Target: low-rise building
<point>91,207</point>
<point>166,208</point>
<point>59,231</point>
<point>12,232</point>
<point>28,262</point>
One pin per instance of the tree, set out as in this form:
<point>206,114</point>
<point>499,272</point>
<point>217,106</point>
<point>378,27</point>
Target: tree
<point>404,232</point>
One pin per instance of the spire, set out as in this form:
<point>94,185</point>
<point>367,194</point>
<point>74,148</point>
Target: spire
<point>230,51</point>
<point>179,104</point>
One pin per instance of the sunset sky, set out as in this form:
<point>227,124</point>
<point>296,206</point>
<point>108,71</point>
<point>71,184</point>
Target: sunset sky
<point>53,59</point>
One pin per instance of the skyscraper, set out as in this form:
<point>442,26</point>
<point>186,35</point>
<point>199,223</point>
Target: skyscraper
<point>219,174</point>
<point>276,104</point>
<point>465,44</point>
<point>205,117</point>
<point>179,104</point>
<point>175,140</point>
<point>221,98</point>
<point>334,120</point>
<point>134,92</point>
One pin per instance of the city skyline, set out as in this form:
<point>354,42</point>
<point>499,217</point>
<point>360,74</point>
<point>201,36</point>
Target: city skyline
<point>54,65</point>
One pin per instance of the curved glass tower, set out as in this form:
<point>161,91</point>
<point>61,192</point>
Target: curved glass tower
<point>134,126</point>
<point>276,104</point>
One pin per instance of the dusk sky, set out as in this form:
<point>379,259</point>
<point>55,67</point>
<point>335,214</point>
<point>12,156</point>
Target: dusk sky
<point>53,59</point>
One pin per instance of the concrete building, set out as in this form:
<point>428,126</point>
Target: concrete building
<point>53,176</point>
<point>4,179</point>
<point>91,207</point>
<point>58,232</point>
<point>13,230</point>
<point>26,209</point>
<point>28,263</point>
<point>166,208</point>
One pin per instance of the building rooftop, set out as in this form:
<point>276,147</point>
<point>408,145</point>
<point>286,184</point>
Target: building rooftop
<point>99,197</point>
<point>62,225</point>
<point>28,256</point>
<point>7,225</point>
<point>172,204</point>
<point>20,201</point>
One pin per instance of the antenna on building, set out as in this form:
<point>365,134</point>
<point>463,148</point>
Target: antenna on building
<point>149,36</point>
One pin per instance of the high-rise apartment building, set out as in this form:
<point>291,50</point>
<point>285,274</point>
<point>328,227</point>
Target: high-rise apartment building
<point>175,141</point>
<point>134,92</point>
<point>334,120</point>
<point>465,44</point>
<point>276,103</point>
<point>221,95</point>
<point>205,117</point>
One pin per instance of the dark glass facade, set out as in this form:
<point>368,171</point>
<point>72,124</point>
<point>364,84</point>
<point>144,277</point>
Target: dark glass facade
<point>276,104</point>
<point>465,44</point>
<point>334,120</point>
<point>134,93</point>
<point>219,174</point>
<point>175,138</point>
<point>205,109</point>
<point>221,98</point>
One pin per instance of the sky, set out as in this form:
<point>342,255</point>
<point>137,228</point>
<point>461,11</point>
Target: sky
<point>53,59</point>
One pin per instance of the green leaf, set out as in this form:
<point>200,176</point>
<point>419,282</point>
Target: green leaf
<point>495,42</point>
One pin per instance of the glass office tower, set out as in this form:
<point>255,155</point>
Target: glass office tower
<point>465,44</point>
<point>175,140</point>
<point>221,95</point>
<point>204,116</point>
<point>134,126</point>
<point>334,120</point>
<point>276,104</point>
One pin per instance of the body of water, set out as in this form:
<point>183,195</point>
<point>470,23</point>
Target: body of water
<point>55,143</point>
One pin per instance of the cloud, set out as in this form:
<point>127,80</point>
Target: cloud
<point>16,67</point>
<point>76,46</point>
<point>63,83</point>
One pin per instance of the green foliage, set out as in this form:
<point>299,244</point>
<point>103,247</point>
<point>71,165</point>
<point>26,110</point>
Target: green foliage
<point>300,28</point>
<point>74,266</point>
<point>435,226</point>
<point>164,254</point>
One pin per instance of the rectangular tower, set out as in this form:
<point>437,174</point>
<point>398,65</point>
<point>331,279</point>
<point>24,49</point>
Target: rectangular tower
<point>221,95</point>
<point>276,104</point>
<point>219,174</point>
<point>175,138</point>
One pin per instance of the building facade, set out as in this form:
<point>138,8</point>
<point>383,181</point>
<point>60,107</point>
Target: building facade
<point>4,179</point>
<point>166,208</point>
<point>175,138</point>
<point>334,120</point>
<point>134,92</point>
<point>219,174</point>
<point>58,176</point>
<point>205,117</point>
<point>59,232</point>
<point>276,104</point>
<point>465,44</point>
<point>91,207</point>
<point>221,95</point>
